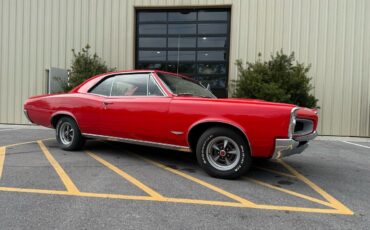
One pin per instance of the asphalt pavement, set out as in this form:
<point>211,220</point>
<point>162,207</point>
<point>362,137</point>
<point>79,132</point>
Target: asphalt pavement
<point>110,185</point>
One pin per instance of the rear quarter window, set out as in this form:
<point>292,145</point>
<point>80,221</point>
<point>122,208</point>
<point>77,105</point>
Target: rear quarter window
<point>103,88</point>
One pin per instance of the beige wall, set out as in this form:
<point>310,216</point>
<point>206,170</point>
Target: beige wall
<point>332,35</point>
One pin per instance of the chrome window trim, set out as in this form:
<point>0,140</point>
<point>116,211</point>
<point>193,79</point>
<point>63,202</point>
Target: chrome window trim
<point>159,85</point>
<point>164,94</point>
<point>111,87</point>
<point>140,142</point>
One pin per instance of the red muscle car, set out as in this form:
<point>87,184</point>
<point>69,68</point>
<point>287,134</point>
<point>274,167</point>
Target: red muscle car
<point>171,111</point>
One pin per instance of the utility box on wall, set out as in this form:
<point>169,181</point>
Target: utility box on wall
<point>56,78</point>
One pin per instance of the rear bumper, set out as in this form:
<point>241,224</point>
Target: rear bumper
<point>287,147</point>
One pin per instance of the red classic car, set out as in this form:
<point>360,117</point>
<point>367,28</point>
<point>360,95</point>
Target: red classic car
<point>167,110</point>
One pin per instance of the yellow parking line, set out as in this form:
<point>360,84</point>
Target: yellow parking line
<point>172,200</point>
<point>2,159</point>
<point>302,209</point>
<point>68,183</point>
<point>335,203</point>
<point>27,142</point>
<point>38,191</point>
<point>126,176</point>
<point>275,172</point>
<point>79,194</point>
<point>290,192</point>
<point>243,201</point>
<point>337,207</point>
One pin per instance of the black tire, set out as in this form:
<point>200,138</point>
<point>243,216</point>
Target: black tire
<point>76,140</point>
<point>207,152</point>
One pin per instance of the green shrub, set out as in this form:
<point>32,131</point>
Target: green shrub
<point>280,79</point>
<point>84,66</point>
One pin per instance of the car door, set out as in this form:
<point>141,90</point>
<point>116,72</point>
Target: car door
<point>91,106</point>
<point>136,109</point>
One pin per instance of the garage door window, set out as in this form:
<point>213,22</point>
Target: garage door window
<point>190,42</point>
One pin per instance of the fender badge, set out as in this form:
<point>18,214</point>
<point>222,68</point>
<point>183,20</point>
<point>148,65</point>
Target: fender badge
<point>177,132</point>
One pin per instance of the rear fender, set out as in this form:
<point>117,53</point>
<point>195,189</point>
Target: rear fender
<point>61,113</point>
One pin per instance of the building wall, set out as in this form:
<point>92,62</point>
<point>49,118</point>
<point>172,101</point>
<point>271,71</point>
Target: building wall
<point>332,35</point>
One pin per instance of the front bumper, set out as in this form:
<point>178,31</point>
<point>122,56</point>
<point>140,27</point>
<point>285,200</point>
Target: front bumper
<point>287,147</point>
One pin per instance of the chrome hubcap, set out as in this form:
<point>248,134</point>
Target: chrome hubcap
<point>66,133</point>
<point>223,153</point>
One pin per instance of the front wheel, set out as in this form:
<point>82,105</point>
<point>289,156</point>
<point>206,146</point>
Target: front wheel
<point>223,153</point>
<point>68,134</point>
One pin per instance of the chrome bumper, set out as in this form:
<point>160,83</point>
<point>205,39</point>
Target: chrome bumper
<point>287,147</point>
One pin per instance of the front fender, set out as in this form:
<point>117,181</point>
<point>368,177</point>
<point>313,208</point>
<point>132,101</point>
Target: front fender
<point>220,121</point>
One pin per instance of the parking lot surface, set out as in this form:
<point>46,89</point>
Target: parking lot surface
<point>112,185</point>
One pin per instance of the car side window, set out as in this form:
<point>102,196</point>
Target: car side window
<point>153,88</point>
<point>130,85</point>
<point>104,87</point>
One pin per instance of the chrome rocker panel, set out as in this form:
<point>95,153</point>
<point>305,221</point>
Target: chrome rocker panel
<point>290,146</point>
<point>139,142</point>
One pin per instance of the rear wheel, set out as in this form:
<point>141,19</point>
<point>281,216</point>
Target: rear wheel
<point>68,134</point>
<point>223,153</point>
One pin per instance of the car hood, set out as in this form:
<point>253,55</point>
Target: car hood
<point>240,101</point>
<point>252,101</point>
<point>303,112</point>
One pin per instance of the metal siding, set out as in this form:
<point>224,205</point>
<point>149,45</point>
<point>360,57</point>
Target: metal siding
<point>334,36</point>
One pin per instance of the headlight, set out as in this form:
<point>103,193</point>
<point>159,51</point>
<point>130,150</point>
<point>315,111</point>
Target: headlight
<point>293,118</point>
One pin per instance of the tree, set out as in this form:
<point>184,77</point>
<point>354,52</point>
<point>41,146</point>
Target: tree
<point>281,79</point>
<point>84,66</point>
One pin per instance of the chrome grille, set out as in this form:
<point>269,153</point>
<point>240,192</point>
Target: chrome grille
<point>303,127</point>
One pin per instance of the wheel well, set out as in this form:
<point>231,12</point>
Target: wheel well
<point>55,119</point>
<point>199,129</point>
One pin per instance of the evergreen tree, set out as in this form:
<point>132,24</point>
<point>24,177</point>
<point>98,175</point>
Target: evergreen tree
<point>280,79</point>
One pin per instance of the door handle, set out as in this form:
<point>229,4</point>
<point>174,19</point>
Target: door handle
<point>107,103</point>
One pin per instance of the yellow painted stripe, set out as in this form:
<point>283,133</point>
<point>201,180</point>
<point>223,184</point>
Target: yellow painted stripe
<point>290,192</point>
<point>335,203</point>
<point>79,194</point>
<point>302,209</point>
<point>172,200</point>
<point>38,191</point>
<point>126,176</point>
<point>68,183</point>
<point>275,172</point>
<point>2,159</point>
<point>27,142</point>
<point>245,202</point>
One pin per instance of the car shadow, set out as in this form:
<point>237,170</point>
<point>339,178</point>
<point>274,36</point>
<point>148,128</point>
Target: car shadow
<point>261,169</point>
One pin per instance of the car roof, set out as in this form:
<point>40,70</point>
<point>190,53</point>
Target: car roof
<point>144,71</point>
<point>148,71</point>
<point>92,81</point>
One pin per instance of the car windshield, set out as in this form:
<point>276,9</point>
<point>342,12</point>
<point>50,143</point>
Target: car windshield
<point>184,87</point>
